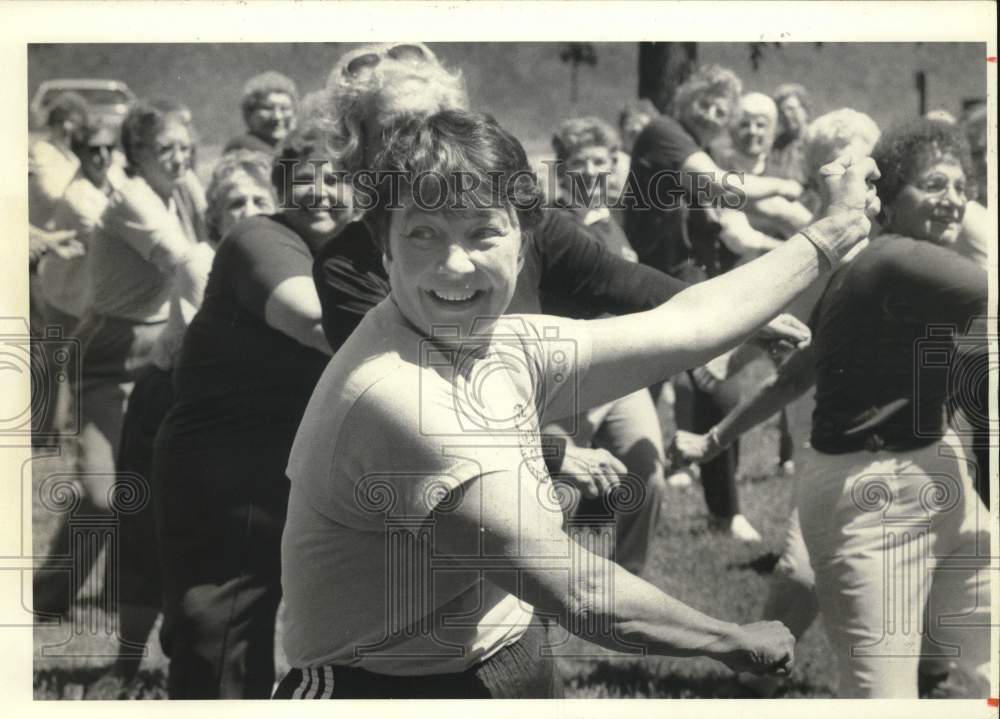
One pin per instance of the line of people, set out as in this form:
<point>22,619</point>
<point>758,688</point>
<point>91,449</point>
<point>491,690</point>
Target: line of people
<point>208,320</point>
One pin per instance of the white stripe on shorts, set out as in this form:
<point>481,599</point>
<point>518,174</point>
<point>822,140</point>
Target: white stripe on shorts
<point>309,686</point>
<point>328,689</point>
<point>307,679</point>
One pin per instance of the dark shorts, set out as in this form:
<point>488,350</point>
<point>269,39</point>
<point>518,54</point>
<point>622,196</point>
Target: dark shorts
<point>518,671</point>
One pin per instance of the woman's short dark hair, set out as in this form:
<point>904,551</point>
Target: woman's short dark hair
<point>471,160</point>
<point>311,142</point>
<point>258,87</point>
<point>707,81</point>
<point>68,105</point>
<point>254,164</point>
<point>79,141</point>
<point>793,89</point>
<point>145,120</point>
<point>903,150</point>
<point>578,133</point>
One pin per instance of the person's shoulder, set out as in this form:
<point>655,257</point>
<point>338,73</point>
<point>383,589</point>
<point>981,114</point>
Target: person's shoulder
<point>887,248</point>
<point>260,233</point>
<point>45,150</point>
<point>133,187</point>
<point>558,226</point>
<point>664,126</point>
<point>381,390</point>
<point>133,200</point>
<point>663,138</point>
<point>202,255</point>
<point>80,190</point>
<point>898,256</point>
<point>353,243</point>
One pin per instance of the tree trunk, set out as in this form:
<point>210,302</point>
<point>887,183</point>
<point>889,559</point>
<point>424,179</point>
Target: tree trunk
<point>662,67</point>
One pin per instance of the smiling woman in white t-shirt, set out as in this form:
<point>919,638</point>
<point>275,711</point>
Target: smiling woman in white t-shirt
<point>423,538</point>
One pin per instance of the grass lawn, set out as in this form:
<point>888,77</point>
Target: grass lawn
<point>693,563</point>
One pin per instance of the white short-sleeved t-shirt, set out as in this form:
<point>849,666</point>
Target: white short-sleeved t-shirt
<point>395,423</point>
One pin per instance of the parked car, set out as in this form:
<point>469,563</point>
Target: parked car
<point>109,99</point>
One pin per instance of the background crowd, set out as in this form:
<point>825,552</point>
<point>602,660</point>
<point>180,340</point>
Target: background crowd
<point>207,314</point>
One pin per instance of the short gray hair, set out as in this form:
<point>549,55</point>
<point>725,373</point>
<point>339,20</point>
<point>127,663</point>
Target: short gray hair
<point>828,134</point>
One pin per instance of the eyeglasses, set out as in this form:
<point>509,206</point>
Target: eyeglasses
<point>95,149</point>
<point>368,61</point>
<point>939,184</point>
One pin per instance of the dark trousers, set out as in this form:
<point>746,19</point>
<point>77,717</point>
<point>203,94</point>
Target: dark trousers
<point>220,512</point>
<point>139,580</point>
<point>114,352</point>
<point>518,671</point>
<point>697,410</point>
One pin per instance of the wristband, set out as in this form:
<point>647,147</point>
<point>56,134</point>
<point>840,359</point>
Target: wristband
<point>821,244</point>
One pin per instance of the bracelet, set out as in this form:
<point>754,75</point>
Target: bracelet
<point>821,244</point>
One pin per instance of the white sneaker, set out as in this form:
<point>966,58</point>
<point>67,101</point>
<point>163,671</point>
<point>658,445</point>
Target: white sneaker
<point>741,529</point>
<point>787,468</point>
<point>683,477</point>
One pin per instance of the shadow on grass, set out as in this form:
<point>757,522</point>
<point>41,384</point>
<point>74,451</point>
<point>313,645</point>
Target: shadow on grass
<point>74,684</point>
<point>613,679</point>
<point>763,564</point>
<point>605,679</point>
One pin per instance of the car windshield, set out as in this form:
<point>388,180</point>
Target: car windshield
<point>95,96</point>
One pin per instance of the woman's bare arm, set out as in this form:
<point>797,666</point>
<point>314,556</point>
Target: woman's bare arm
<point>591,596</point>
<point>705,320</point>
<point>293,308</point>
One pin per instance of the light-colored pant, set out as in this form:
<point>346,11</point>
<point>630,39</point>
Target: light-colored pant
<point>899,543</point>
<point>791,597</point>
<point>630,430</point>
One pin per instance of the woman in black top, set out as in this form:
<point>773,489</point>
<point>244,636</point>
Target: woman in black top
<point>887,506</point>
<point>248,364</point>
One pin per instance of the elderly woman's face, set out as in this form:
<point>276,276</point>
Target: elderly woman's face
<point>792,115</point>
<point>453,270</point>
<point>707,116</point>
<point>242,197</point>
<point>273,118</point>
<point>930,207</point>
<point>753,134</point>
<point>167,158</point>
<point>590,164</point>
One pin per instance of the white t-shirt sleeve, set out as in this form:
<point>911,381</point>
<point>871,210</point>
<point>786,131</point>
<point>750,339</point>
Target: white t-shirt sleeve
<point>138,216</point>
<point>403,451</point>
<point>558,351</point>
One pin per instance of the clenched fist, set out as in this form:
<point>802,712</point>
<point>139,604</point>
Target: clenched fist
<point>592,471</point>
<point>759,648</point>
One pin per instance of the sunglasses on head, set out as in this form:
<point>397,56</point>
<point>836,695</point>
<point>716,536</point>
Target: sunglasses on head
<point>369,60</point>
